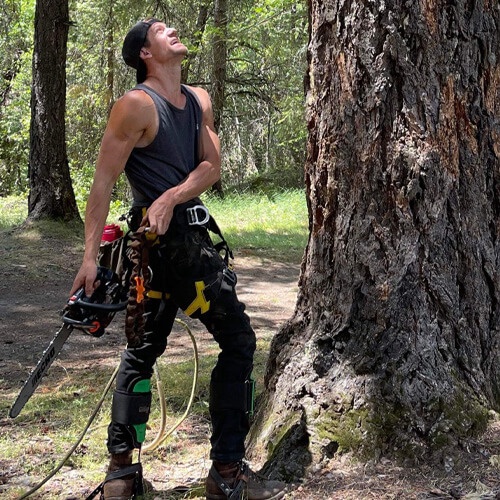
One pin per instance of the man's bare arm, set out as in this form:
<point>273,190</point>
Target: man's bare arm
<point>129,118</point>
<point>198,181</point>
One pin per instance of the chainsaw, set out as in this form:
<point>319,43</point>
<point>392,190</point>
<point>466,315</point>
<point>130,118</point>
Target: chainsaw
<point>91,315</point>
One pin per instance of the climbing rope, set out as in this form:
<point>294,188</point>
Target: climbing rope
<point>162,435</point>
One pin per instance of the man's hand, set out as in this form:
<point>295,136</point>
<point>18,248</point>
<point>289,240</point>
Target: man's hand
<point>86,277</point>
<point>158,216</point>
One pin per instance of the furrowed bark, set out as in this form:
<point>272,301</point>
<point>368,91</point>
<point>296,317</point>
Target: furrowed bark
<point>393,346</point>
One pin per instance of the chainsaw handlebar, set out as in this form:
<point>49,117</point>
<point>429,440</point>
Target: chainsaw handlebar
<point>94,306</point>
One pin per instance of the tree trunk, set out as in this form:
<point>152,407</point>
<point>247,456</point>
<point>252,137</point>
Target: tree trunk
<point>219,60</point>
<point>394,344</point>
<point>51,193</point>
<point>201,23</point>
<point>110,59</point>
<point>219,69</point>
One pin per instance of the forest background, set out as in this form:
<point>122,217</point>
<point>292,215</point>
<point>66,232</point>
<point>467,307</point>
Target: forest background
<point>250,54</point>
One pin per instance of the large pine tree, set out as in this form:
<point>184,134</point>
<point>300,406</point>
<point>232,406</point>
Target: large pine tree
<point>394,344</point>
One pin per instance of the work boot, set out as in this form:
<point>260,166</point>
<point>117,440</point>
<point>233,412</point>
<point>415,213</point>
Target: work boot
<point>121,488</point>
<point>238,481</point>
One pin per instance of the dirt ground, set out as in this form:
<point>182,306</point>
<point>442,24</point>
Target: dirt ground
<point>36,272</point>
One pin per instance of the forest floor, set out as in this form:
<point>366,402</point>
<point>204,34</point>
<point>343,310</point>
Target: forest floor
<point>36,271</point>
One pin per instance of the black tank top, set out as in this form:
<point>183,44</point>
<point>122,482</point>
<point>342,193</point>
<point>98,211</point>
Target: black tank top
<point>173,153</point>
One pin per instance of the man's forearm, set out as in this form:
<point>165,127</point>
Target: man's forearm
<point>95,218</point>
<point>204,176</point>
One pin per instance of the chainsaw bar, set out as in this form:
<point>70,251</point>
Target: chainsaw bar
<point>48,356</point>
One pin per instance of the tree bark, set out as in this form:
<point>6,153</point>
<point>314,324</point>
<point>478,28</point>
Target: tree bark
<point>201,23</point>
<point>110,59</point>
<point>219,60</point>
<point>219,69</point>
<point>51,193</point>
<point>393,347</point>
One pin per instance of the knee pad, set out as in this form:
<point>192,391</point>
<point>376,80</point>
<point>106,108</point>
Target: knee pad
<point>133,408</point>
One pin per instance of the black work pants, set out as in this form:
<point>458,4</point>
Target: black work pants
<point>184,258</point>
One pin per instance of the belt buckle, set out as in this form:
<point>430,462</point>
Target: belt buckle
<point>192,215</point>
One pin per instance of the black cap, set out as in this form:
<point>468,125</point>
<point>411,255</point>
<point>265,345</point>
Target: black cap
<point>132,45</point>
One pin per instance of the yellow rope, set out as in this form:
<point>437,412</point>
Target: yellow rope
<point>161,437</point>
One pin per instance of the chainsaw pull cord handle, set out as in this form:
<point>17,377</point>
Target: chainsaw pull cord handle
<point>141,241</point>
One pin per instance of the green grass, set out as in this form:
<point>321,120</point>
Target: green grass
<point>13,211</point>
<point>274,226</point>
<point>54,417</point>
<point>268,225</point>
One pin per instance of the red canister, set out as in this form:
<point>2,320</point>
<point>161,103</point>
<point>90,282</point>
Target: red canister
<point>111,232</point>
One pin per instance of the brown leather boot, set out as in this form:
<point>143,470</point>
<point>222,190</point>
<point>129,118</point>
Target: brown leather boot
<point>237,481</point>
<point>121,488</point>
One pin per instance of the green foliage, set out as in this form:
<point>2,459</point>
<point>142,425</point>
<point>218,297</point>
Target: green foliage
<point>16,35</point>
<point>263,131</point>
<point>13,211</point>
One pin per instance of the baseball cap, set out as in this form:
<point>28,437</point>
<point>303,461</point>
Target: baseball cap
<point>132,45</point>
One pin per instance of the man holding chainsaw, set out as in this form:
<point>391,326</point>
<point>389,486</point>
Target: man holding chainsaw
<point>162,135</point>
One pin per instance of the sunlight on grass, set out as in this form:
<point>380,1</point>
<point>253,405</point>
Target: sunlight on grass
<point>268,225</point>
<point>52,420</point>
<point>275,224</point>
<point>13,211</point>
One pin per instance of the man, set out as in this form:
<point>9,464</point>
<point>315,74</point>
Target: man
<point>162,135</point>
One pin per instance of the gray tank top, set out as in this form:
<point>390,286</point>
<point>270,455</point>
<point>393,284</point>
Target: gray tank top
<point>173,153</point>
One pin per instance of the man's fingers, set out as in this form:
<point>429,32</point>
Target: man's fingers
<point>76,286</point>
<point>89,289</point>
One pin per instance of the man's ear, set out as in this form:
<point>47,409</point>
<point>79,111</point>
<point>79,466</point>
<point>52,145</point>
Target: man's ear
<point>144,53</point>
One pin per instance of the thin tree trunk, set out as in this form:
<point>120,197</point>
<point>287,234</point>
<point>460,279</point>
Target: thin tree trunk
<point>219,68</point>
<point>394,345</point>
<point>110,59</point>
<point>220,60</point>
<point>51,193</point>
<point>197,38</point>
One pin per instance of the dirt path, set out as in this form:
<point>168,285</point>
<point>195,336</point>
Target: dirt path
<point>36,272</point>
<point>29,314</point>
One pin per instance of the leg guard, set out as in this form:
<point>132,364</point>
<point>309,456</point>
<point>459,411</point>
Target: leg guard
<point>233,396</point>
<point>133,408</point>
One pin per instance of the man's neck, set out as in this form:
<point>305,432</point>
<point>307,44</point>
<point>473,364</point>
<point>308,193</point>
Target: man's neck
<point>166,80</point>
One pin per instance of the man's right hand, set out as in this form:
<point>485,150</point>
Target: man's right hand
<point>85,277</point>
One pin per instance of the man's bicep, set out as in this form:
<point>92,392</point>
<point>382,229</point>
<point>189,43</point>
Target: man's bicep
<point>210,144</point>
<point>113,155</point>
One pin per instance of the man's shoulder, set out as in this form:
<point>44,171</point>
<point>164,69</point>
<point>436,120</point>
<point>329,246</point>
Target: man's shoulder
<point>202,95</point>
<point>133,109</point>
<point>134,97</point>
<point>133,103</point>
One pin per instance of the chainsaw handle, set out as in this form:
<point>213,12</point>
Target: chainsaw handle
<point>120,306</point>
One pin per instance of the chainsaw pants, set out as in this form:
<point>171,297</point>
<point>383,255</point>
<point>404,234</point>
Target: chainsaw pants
<point>189,274</point>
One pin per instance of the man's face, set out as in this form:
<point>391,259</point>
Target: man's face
<point>164,42</point>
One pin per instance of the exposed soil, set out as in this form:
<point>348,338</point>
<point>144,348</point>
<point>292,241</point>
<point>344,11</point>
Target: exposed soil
<point>36,272</point>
